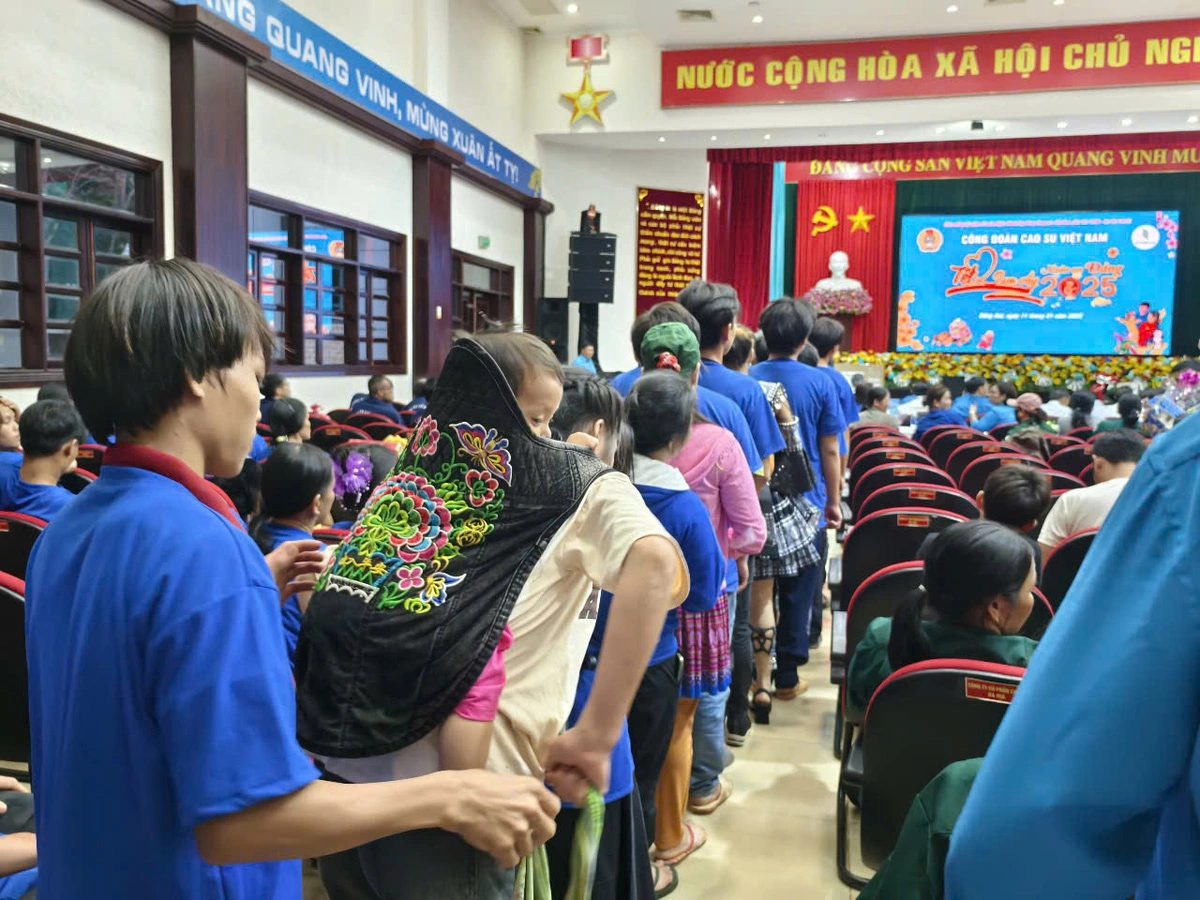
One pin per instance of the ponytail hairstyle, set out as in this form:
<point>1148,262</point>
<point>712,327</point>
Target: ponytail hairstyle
<point>357,472</point>
<point>660,409</point>
<point>291,477</point>
<point>623,459</point>
<point>287,417</point>
<point>1082,403</point>
<point>1129,409</point>
<point>968,565</point>
<point>871,394</point>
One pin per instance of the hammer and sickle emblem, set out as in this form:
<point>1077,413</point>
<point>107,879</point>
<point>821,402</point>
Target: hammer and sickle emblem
<point>824,219</point>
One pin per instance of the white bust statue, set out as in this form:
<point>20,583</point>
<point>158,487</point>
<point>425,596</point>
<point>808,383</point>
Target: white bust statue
<point>839,264</point>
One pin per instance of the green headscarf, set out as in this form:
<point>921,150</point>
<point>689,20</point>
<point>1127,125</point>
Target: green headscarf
<point>671,345</point>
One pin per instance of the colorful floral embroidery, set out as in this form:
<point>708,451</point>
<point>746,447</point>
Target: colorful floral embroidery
<point>486,449</point>
<point>402,551</point>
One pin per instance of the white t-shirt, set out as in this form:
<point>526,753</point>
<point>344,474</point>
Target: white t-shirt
<point>1080,510</point>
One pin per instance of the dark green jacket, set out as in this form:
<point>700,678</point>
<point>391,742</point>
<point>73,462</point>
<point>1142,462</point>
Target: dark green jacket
<point>869,667</point>
<point>914,870</point>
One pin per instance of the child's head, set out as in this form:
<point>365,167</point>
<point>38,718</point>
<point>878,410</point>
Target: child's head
<point>297,486</point>
<point>532,371</point>
<point>826,337</point>
<point>658,314</point>
<point>589,405</point>
<point>171,339</point>
<point>1016,496</point>
<point>1143,307</point>
<point>938,397</point>
<point>979,576</point>
<point>358,470</point>
<point>52,429</point>
<point>55,390</point>
<point>274,386</point>
<point>660,410</point>
<point>673,347</point>
<point>740,356</point>
<point>10,432</point>
<point>717,310</point>
<point>289,420</point>
<point>786,325</point>
<point>1152,318</point>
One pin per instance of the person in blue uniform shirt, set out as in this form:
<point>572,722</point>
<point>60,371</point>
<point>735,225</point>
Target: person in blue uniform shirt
<point>50,434</point>
<point>380,399</point>
<point>973,397</point>
<point>586,359</point>
<point>10,434</point>
<point>274,387</point>
<point>297,496</point>
<point>170,685</point>
<point>826,339</point>
<point>1091,785</point>
<point>941,413</point>
<point>1000,411</point>
<point>786,325</point>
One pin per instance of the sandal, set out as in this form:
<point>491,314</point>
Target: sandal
<point>793,692</point>
<point>694,837</point>
<point>660,889</point>
<point>710,804</point>
<point>761,709</point>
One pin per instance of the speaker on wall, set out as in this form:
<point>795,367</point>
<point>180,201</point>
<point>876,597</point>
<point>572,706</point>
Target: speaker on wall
<point>554,326</point>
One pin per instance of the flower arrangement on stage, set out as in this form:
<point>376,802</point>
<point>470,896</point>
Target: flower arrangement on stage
<point>1036,373</point>
<point>849,302</point>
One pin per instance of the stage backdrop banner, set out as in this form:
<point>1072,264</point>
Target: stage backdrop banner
<point>670,244</point>
<point>1052,59</point>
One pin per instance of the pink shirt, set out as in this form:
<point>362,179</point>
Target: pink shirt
<point>482,700</point>
<point>716,470</point>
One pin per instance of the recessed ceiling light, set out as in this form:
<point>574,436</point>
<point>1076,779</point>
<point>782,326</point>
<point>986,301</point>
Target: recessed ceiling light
<point>757,20</point>
<point>1062,124</point>
<point>1193,119</point>
<point>879,132</point>
<point>46,160</point>
<point>941,129</point>
<point>1127,122</point>
<point>766,137</point>
<point>572,8</point>
<point>1000,127</point>
<point>662,140</point>
<point>951,8</point>
<point>713,138</point>
<point>1059,2</point>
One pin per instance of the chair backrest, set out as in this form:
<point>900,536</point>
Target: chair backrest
<point>329,436</point>
<point>924,496</point>
<point>90,458</point>
<point>865,462</point>
<point>317,419</point>
<point>895,473</point>
<point>362,419</point>
<point>921,719</point>
<point>331,536</point>
<point>885,538</point>
<point>926,440</point>
<point>1088,475</point>
<point>876,597</point>
<point>14,677</point>
<point>1058,441</point>
<point>76,480</point>
<point>999,432</point>
<point>883,442</point>
<point>976,474</point>
<point>1072,460</point>
<point>379,430</point>
<point>949,441</point>
<point>18,532</point>
<point>339,415</point>
<point>968,453</point>
<point>263,429</point>
<point>860,433</point>
<point>1085,434</point>
<point>1063,564</point>
<point>1061,481</point>
<point>1040,617</point>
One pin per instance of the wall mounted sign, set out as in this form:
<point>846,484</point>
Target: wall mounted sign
<point>669,245</point>
<point>587,49</point>
<point>302,46</point>
<point>1051,59</point>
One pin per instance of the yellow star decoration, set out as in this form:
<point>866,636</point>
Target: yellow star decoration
<point>860,221</point>
<point>587,99</point>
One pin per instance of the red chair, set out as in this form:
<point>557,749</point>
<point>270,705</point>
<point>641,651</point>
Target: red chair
<point>945,444</point>
<point>339,415</point>
<point>865,462</point>
<point>14,678</point>
<point>18,532</point>
<point>1058,574</point>
<point>362,419</point>
<point>1059,441</point>
<point>380,430</point>
<point>860,433</point>
<point>1084,434</point>
<point>1000,432</point>
<point>976,474</point>
<point>923,496</point>
<point>329,436</point>
<point>77,480</point>
<point>1088,475</point>
<point>884,442</point>
<point>926,440</point>
<point>895,473</point>
<point>1040,617</point>
<point>90,458</point>
<point>263,429</point>
<point>318,419</point>
<point>921,719</point>
<point>330,536</point>
<point>968,453</point>
<point>1061,481</point>
<point>1072,460</point>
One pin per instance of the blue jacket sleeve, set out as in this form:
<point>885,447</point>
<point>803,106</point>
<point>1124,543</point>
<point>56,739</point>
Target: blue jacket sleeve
<point>986,422</point>
<point>1100,737</point>
<point>706,564</point>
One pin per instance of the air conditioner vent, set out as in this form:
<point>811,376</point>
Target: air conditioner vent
<point>694,15</point>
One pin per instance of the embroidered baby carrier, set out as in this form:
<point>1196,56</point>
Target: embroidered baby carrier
<point>413,602</point>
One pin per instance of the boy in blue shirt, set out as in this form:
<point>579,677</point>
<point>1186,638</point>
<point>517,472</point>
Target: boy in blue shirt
<point>826,339</point>
<point>50,433</point>
<point>380,399</point>
<point>152,627</point>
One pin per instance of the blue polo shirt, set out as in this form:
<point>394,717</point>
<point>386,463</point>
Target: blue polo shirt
<point>749,397</point>
<point>846,401</point>
<point>155,671</point>
<point>967,402</point>
<point>996,415</point>
<point>290,611</point>
<point>1092,782</point>
<point>370,404</point>
<point>813,400</point>
<point>259,449</point>
<point>936,418</point>
<point>42,501</point>
<point>10,458</point>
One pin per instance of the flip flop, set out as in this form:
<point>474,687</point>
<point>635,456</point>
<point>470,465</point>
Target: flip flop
<point>670,886</point>
<point>694,837</point>
<point>710,804</point>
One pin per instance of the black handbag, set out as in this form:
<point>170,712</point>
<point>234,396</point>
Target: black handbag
<point>793,473</point>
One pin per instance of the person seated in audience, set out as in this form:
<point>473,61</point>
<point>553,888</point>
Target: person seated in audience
<point>874,402</point>
<point>1055,408</point>
<point>297,496</point>
<point>422,391</point>
<point>155,661</point>
<point>357,472</point>
<point>586,359</point>
<point>245,488</point>
<point>1031,416</point>
<point>912,405</point>
<point>57,390</point>
<point>50,433</point>
<point>974,397</point>
<point>1115,454</point>
<point>1129,415</point>
<point>1017,497</point>
<point>289,421</point>
<point>975,595</point>
<point>274,387</point>
<point>1031,442</point>
<point>1081,414</point>
<point>1000,395</point>
<point>941,411</point>
<point>380,399</point>
<point>18,842</point>
<point>10,434</point>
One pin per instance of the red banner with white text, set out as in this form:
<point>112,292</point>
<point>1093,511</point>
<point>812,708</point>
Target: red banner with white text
<point>1052,59</point>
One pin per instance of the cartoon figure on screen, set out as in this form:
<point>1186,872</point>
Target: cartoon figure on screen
<point>1143,313</point>
<point>986,341</point>
<point>1158,345</point>
<point>1147,328</point>
<point>957,334</point>
<point>907,328</point>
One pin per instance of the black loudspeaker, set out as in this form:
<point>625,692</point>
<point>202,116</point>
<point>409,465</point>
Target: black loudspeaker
<point>554,325</point>
<point>593,260</point>
<point>594,244</point>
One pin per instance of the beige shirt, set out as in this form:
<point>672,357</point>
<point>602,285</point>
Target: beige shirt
<point>1080,510</point>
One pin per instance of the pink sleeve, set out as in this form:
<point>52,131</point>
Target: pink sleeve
<point>739,500</point>
<point>483,698</point>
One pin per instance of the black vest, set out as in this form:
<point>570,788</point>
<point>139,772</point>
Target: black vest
<point>414,601</point>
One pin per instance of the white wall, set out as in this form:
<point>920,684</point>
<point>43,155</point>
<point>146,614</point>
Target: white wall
<point>381,30</point>
<point>84,68</point>
<point>475,212</point>
<point>300,154</point>
<point>575,177</point>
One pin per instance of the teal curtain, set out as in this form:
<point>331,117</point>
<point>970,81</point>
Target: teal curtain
<point>778,231</point>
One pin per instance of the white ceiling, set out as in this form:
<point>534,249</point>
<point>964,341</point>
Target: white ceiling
<point>820,20</point>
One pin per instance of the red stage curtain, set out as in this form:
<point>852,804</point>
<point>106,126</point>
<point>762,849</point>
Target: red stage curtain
<point>870,251</point>
<point>739,232</point>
